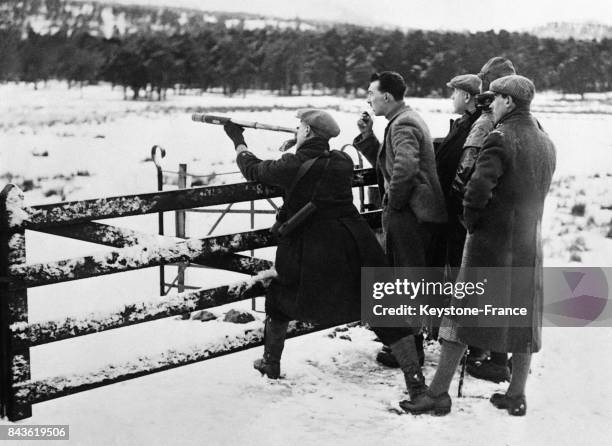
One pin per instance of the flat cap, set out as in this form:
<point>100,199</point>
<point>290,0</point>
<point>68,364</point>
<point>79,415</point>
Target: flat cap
<point>322,122</point>
<point>519,87</point>
<point>466,82</point>
<point>495,68</point>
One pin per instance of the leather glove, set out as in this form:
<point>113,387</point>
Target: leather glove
<point>234,131</point>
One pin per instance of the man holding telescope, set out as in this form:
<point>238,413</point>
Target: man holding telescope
<point>322,239</point>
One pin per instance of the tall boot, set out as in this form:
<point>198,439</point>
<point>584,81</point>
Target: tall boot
<point>406,354</point>
<point>419,340</point>
<point>385,356</point>
<point>436,399</point>
<point>275,333</point>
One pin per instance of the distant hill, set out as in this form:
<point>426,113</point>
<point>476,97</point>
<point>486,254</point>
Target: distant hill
<point>112,19</point>
<point>577,31</point>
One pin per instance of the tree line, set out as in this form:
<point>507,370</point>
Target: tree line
<point>339,60</point>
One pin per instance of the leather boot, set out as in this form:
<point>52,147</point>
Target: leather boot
<point>419,341</point>
<point>488,370</point>
<point>428,403</point>
<point>406,354</point>
<point>515,405</point>
<point>386,358</point>
<point>275,333</point>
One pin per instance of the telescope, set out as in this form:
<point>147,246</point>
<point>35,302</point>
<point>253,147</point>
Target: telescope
<point>221,120</point>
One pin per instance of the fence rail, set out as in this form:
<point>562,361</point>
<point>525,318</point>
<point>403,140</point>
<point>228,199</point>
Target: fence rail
<point>138,257</point>
<point>133,250</point>
<point>61,214</point>
<point>29,335</point>
<point>29,392</point>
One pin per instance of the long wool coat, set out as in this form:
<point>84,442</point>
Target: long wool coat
<point>450,241</point>
<point>319,264</point>
<point>449,151</point>
<point>503,207</point>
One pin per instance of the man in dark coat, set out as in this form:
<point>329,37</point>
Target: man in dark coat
<point>493,69</point>
<point>495,367</point>
<point>506,212</point>
<point>413,207</point>
<point>318,263</point>
<point>503,207</point>
<point>449,247</point>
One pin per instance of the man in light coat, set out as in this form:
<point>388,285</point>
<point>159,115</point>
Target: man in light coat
<point>413,205</point>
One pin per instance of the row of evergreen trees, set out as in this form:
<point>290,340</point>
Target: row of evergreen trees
<point>288,61</point>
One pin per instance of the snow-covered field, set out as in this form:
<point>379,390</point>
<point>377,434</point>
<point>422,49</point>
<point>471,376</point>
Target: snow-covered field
<point>60,144</point>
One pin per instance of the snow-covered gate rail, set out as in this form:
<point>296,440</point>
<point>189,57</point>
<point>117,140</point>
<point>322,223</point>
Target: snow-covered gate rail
<point>135,250</point>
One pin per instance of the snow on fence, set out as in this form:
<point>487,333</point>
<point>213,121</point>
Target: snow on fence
<point>134,250</point>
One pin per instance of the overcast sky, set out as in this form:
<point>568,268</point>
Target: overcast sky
<point>470,15</point>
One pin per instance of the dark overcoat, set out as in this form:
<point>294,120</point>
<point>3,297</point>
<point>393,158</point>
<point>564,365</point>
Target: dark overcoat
<point>450,241</point>
<point>503,206</point>
<point>319,264</point>
<point>450,149</point>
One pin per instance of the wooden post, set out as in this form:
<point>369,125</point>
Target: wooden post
<point>157,153</point>
<point>180,226</point>
<point>362,206</point>
<point>252,223</point>
<point>253,299</point>
<point>374,201</point>
<point>15,367</point>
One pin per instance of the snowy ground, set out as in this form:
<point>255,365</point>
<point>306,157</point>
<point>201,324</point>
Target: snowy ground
<point>333,392</point>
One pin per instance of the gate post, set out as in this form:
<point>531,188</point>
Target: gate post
<point>15,366</point>
<point>157,153</point>
<point>180,227</point>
